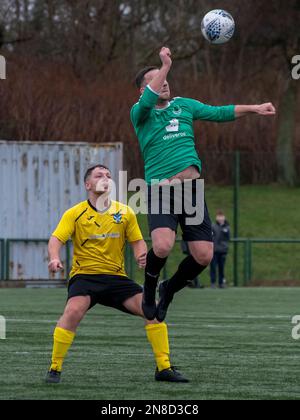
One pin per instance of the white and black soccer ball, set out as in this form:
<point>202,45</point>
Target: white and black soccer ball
<point>218,26</point>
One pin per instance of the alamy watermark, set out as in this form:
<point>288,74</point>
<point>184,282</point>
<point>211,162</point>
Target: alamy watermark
<point>296,68</point>
<point>164,197</point>
<point>2,328</point>
<point>2,67</point>
<point>296,329</point>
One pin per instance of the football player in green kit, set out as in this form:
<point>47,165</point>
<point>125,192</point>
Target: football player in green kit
<point>164,128</point>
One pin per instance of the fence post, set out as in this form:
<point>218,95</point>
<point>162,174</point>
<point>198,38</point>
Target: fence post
<point>237,159</point>
<point>2,256</point>
<point>129,261</point>
<point>245,262</point>
<point>250,261</point>
<point>7,257</point>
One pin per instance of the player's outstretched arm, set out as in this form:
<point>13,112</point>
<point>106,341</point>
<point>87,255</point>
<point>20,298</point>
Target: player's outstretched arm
<point>226,113</point>
<point>54,247</point>
<point>140,252</point>
<point>157,83</point>
<point>267,109</point>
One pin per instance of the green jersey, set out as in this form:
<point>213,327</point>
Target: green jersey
<point>166,136</point>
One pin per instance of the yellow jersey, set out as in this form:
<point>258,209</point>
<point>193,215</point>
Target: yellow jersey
<point>98,238</point>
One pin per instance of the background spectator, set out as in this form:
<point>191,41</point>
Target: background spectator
<point>221,231</point>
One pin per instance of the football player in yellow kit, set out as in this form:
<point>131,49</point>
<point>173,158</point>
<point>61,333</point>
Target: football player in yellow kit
<point>99,234</point>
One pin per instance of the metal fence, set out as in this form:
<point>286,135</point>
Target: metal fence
<point>243,263</point>
<point>246,259</point>
<point>248,254</point>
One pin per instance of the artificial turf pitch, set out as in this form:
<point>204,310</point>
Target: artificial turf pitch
<point>232,344</point>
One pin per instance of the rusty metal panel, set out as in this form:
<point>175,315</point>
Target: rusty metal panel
<point>38,182</point>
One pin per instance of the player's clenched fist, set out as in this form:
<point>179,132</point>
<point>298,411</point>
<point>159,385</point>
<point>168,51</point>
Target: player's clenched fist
<point>266,109</point>
<point>55,266</point>
<point>165,56</point>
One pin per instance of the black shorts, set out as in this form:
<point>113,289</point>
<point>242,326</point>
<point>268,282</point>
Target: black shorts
<point>104,289</point>
<point>199,232</point>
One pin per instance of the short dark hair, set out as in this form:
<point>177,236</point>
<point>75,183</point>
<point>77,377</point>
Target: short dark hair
<point>139,78</point>
<point>91,168</point>
<point>220,213</point>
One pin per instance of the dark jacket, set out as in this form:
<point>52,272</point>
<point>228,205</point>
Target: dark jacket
<point>221,237</point>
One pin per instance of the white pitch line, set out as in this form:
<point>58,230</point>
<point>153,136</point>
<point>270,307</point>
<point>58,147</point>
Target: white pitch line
<point>200,316</point>
<point>43,353</point>
<point>225,317</point>
<point>40,321</point>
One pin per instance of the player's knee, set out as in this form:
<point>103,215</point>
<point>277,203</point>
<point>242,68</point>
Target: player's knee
<point>204,258</point>
<point>73,314</point>
<point>162,248</point>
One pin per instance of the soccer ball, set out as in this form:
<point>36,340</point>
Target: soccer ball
<point>218,26</point>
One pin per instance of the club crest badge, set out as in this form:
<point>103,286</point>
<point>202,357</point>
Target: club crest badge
<point>118,217</point>
<point>177,110</point>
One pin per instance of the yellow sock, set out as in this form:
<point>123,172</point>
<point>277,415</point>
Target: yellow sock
<point>62,342</point>
<point>158,336</point>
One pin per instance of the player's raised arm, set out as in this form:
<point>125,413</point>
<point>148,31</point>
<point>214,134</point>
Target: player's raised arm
<point>54,248</point>
<point>158,81</point>
<point>267,109</point>
<point>153,87</point>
